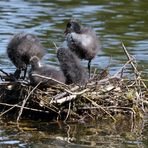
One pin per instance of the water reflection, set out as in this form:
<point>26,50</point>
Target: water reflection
<point>104,133</point>
<point>114,21</point>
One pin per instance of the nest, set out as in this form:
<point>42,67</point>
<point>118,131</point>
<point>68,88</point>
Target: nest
<point>103,95</point>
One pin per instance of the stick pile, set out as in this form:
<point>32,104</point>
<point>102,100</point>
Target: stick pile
<point>102,95</point>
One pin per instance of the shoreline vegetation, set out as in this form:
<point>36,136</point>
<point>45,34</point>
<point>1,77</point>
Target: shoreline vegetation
<point>102,96</point>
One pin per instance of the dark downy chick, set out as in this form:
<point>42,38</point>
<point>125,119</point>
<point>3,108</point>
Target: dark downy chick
<point>82,40</point>
<point>71,67</point>
<point>21,48</point>
<point>44,70</point>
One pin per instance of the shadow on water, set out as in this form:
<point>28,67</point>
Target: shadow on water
<point>115,22</point>
<point>104,133</point>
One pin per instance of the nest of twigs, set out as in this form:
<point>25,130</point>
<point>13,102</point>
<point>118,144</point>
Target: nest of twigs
<point>102,95</point>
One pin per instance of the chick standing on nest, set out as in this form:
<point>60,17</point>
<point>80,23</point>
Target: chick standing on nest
<point>82,40</point>
<point>71,67</point>
<point>21,48</point>
<point>44,70</point>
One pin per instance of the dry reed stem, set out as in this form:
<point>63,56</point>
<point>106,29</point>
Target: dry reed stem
<point>13,106</point>
<point>55,46</point>
<point>99,106</point>
<point>134,67</point>
<point>64,99</point>
<point>18,106</point>
<point>49,78</point>
<point>25,100</point>
<point>77,93</point>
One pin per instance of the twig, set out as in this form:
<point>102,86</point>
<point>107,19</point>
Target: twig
<point>58,96</point>
<point>77,93</point>
<point>25,100</point>
<point>18,106</point>
<point>55,46</point>
<point>13,106</point>
<point>119,71</point>
<point>5,73</point>
<point>68,112</point>
<point>52,108</point>
<point>49,78</point>
<point>94,73</point>
<point>126,108</point>
<point>95,104</point>
<point>135,69</point>
<point>65,99</point>
<point>103,81</point>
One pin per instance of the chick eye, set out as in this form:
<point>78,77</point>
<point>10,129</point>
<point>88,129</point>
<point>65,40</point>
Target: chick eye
<point>69,25</point>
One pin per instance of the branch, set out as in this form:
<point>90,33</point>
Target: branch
<point>132,64</point>
<point>98,106</point>
<point>25,100</point>
<point>65,99</point>
<point>49,78</point>
<point>18,106</point>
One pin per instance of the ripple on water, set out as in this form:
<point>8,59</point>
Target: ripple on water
<point>114,22</point>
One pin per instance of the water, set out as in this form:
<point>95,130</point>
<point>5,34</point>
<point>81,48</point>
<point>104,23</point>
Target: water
<point>115,22</point>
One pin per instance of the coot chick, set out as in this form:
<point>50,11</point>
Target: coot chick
<point>21,48</point>
<point>82,40</point>
<point>44,70</point>
<point>70,65</point>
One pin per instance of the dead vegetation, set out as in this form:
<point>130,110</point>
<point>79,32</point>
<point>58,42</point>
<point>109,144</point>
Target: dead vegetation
<point>103,95</point>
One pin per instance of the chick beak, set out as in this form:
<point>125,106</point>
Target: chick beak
<point>65,32</point>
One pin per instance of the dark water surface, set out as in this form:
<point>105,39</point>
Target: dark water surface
<point>115,22</point>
